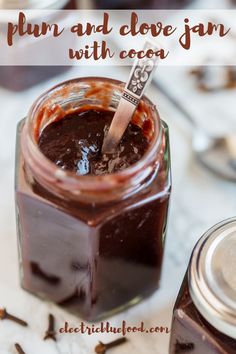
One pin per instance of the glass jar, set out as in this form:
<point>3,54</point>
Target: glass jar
<point>93,244</point>
<point>18,78</point>
<point>204,317</point>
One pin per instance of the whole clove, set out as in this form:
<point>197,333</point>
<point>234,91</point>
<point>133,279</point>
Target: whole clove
<point>51,333</point>
<point>202,82</point>
<point>183,347</point>
<point>4,315</point>
<point>101,348</point>
<point>49,278</point>
<point>77,295</point>
<point>231,78</point>
<point>19,349</point>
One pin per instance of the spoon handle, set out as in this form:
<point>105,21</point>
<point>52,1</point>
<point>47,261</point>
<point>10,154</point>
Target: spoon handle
<point>140,77</point>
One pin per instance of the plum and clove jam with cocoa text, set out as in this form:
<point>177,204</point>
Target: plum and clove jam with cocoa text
<point>75,142</point>
<point>91,226</point>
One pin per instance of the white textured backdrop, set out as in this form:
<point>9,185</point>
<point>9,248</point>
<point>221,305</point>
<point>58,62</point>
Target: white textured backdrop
<point>199,200</point>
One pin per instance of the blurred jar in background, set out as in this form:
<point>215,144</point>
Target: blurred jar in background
<point>140,4</point>
<point>39,4</point>
<point>18,78</point>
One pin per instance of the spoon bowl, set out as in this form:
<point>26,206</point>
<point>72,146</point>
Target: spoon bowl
<point>218,154</point>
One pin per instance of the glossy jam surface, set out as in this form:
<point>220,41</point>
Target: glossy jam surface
<point>192,334</point>
<point>74,143</point>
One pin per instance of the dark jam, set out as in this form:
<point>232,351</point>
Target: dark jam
<point>92,258</point>
<point>192,334</point>
<point>75,142</point>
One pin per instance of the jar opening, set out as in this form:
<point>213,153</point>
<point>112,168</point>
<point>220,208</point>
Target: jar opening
<point>86,94</point>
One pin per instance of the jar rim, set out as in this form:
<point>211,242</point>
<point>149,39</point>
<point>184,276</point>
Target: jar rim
<point>46,166</point>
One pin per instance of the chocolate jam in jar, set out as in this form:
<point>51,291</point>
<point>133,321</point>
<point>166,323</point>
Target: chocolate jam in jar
<point>18,78</point>
<point>91,227</point>
<point>204,317</point>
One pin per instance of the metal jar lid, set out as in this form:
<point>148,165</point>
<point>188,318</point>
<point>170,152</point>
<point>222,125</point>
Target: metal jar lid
<point>32,4</point>
<point>212,277</point>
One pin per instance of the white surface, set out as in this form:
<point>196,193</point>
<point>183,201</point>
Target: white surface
<point>199,200</point>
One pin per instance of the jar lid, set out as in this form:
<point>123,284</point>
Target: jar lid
<point>212,277</point>
<point>32,4</point>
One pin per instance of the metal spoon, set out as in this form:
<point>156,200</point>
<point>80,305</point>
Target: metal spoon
<point>140,77</point>
<point>218,154</point>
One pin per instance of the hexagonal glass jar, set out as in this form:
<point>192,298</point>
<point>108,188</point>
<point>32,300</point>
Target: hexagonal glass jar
<point>92,244</point>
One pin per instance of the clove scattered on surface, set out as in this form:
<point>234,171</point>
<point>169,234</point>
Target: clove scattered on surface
<point>51,333</point>
<point>19,349</point>
<point>101,348</point>
<point>4,315</point>
<point>202,81</point>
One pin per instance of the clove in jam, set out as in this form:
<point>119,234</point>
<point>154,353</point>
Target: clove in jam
<point>204,313</point>
<point>91,227</point>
